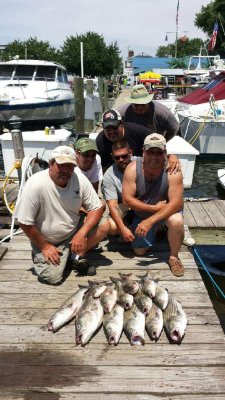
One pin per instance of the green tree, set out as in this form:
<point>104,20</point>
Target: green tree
<point>185,47</point>
<point>35,49</point>
<point>99,59</point>
<point>205,19</point>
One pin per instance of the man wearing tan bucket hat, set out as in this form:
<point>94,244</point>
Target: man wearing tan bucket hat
<point>141,109</point>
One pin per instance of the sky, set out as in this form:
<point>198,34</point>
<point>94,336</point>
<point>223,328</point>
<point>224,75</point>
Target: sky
<point>138,25</point>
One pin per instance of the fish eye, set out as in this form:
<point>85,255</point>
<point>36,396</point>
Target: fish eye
<point>78,326</point>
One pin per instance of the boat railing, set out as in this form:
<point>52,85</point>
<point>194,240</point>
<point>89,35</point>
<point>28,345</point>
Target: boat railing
<point>21,87</point>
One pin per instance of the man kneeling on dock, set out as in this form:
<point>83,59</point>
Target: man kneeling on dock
<point>48,213</point>
<point>156,197</point>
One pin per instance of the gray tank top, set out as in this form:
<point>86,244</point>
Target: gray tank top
<point>150,192</point>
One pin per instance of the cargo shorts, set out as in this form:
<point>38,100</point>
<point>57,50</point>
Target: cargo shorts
<point>50,273</point>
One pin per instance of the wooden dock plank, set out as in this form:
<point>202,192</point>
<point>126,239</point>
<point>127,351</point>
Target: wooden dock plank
<point>200,216</point>
<point>188,216</point>
<point>39,334</point>
<point>220,205</point>
<point>214,213</point>
<point>151,354</point>
<point>40,316</point>
<point>141,379</point>
<point>23,300</point>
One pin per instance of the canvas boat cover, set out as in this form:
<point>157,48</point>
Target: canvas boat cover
<point>216,87</point>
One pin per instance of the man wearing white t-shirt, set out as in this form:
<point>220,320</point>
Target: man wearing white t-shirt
<point>48,213</point>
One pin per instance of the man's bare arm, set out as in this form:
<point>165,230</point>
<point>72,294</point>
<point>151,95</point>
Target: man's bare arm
<point>129,192</point>
<point>115,213</point>
<point>173,206</point>
<point>92,219</point>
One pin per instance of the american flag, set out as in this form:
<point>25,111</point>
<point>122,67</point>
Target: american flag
<point>177,12</point>
<point>212,42</point>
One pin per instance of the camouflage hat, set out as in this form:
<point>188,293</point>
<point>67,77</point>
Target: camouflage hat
<point>85,144</point>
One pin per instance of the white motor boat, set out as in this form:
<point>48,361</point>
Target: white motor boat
<point>202,116</point>
<point>221,176</point>
<point>37,92</point>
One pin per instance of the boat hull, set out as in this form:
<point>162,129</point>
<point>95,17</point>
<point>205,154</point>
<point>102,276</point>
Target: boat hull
<point>221,176</point>
<point>207,136</point>
<point>39,114</point>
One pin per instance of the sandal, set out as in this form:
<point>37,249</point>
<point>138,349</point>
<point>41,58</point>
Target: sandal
<point>176,266</point>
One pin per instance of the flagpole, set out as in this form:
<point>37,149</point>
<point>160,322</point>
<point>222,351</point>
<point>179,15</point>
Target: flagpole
<point>176,29</point>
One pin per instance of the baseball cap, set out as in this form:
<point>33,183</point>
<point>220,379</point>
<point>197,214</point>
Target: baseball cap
<point>155,140</point>
<point>86,144</point>
<point>139,95</point>
<point>111,118</point>
<point>64,154</point>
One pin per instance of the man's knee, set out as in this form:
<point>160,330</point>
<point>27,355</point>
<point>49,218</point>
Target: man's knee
<point>51,274</point>
<point>104,227</point>
<point>140,251</point>
<point>175,221</point>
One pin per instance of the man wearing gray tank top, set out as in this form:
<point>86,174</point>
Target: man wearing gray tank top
<point>156,196</point>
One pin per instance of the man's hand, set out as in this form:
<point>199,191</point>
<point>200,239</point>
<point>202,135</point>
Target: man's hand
<point>127,235</point>
<point>143,228</point>
<point>158,206</point>
<point>78,243</point>
<point>174,164</point>
<point>51,254</point>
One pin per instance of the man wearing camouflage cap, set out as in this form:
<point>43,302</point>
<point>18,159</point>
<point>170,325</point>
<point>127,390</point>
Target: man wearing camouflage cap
<point>88,161</point>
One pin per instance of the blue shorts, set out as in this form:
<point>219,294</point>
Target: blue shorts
<point>148,240</point>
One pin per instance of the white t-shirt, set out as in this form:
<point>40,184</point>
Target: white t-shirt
<point>53,209</point>
<point>94,174</point>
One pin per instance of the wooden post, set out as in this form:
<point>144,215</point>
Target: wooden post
<point>98,115</point>
<point>17,141</point>
<point>115,84</point>
<point>79,104</point>
<point>100,91</point>
<point>106,102</point>
<point>89,123</point>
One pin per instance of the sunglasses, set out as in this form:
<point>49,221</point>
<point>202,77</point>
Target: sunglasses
<point>88,155</point>
<point>123,156</point>
<point>111,128</point>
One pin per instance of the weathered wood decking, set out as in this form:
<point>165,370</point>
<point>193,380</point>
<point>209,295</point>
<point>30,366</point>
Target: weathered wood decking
<point>205,214</point>
<point>36,364</point>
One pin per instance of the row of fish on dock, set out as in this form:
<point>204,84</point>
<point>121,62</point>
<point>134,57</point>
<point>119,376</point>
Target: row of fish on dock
<point>122,304</point>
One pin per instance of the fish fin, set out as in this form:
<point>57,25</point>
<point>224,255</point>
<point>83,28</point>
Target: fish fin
<point>114,279</point>
<point>83,286</point>
<point>125,276</point>
<point>143,276</point>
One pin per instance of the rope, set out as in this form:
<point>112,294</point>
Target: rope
<point>212,108</point>
<point>210,276</point>
<point>27,171</point>
<point>10,206</point>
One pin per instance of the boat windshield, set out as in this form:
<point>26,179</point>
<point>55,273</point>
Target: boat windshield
<point>45,73</point>
<point>6,71</point>
<point>62,76</point>
<point>24,72</point>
